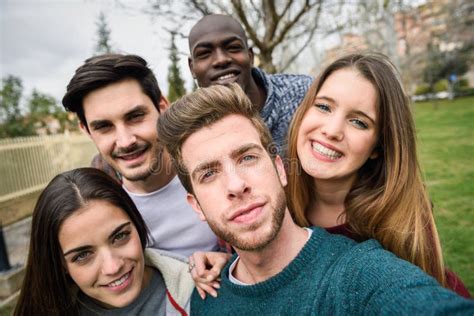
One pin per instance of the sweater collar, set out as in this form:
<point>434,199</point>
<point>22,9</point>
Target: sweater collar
<point>307,256</point>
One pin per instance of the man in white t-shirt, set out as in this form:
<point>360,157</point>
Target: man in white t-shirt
<point>118,102</point>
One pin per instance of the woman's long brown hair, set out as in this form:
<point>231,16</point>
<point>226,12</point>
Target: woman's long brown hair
<point>388,201</point>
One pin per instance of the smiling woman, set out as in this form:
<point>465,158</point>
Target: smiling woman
<point>87,254</point>
<point>354,168</point>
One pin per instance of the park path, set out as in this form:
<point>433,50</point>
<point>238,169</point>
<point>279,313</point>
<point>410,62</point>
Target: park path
<point>17,240</point>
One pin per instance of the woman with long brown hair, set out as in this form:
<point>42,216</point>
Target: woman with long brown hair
<point>353,165</point>
<point>87,255</point>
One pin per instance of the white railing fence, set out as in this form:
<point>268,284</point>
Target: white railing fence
<point>27,164</point>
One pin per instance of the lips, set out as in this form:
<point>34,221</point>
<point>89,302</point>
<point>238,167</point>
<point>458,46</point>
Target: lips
<point>226,77</point>
<point>247,213</point>
<point>121,283</point>
<point>137,152</point>
<point>325,151</point>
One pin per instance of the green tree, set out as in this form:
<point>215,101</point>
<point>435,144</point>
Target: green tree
<point>41,105</point>
<point>44,110</point>
<point>11,118</point>
<point>103,32</point>
<point>175,81</point>
<point>278,30</point>
<point>440,65</point>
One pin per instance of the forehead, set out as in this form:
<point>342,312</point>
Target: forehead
<point>214,30</point>
<point>349,87</point>
<point>95,221</point>
<point>114,99</point>
<point>219,140</point>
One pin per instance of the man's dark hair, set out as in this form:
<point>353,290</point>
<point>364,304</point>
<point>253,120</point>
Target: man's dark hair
<point>100,71</point>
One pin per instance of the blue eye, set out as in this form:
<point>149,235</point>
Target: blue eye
<point>359,124</point>
<point>323,107</point>
<point>248,158</point>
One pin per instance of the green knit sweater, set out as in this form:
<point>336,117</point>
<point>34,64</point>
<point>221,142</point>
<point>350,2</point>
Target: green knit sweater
<point>333,275</point>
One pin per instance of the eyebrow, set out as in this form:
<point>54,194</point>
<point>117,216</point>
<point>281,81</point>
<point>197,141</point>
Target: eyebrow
<point>139,107</point>
<point>224,42</point>
<point>366,115</point>
<point>234,154</point>
<point>329,99</point>
<point>112,234</point>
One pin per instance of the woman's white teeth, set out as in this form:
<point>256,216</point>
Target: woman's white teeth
<point>119,281</point>
<point>326,151</point>
<point>224,77</point>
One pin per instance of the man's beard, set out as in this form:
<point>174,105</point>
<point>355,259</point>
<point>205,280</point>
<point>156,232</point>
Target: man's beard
<point>260,242</point>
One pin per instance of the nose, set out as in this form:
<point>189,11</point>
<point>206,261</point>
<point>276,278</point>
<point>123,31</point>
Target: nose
<point>221,58</point>
<point>111,263</point>
<point>334,129</point>
<point>125,137</point>
<point>237,186</point>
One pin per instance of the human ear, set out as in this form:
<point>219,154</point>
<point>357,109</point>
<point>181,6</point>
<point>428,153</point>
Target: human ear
<point>190,64</point>
<point>196,206</point>
<point>280,168</point>
<point>84,129</point>
<point>163,104</point>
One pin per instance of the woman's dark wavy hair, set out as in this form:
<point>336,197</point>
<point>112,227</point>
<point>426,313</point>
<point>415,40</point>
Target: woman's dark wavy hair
<point>47,289</point>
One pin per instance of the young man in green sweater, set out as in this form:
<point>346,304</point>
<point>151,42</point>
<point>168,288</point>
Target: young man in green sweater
<point>224,158</point>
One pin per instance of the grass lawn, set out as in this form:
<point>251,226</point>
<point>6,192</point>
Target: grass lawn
<point>446,149</point>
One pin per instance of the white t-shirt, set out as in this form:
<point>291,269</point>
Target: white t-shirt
<point>173,224</point>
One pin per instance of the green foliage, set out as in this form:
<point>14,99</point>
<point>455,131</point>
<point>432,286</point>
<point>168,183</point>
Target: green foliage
<point>422,89</point>
<point>42,112</point>
<point>446,148</point>
<point>10,95</point>
<point>175,81</point>
<point>441,85</point>
<point>45,113</point>
<point>463,82</point>
<point>440,65</point>
<point>11,119</point>
<point>103,32</point>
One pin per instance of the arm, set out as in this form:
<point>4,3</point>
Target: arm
<point>389,285</point>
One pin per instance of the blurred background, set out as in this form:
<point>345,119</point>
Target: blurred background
<point>42,42</point>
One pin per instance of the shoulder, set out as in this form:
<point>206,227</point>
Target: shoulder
<point>291,81</point>
<point>174,269</point>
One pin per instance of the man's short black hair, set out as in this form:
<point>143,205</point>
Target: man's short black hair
<point>100,71</point>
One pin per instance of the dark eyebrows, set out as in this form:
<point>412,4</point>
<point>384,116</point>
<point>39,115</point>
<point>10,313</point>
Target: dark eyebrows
<point>224,42</point>
<point>117,229</point>
<point>111,236</point>
<point>78,249</point>
<point>136,109</point>
<point>96,123</point>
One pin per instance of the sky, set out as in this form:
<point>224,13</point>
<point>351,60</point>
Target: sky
<point>44,41</point>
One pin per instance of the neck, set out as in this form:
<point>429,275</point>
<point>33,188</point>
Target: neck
<point>328,206</point>
<point>256,94</point>
<point>154,181</point>
<point>258,266</point>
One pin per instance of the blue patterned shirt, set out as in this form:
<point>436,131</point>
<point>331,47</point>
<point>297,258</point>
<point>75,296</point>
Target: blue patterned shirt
<point>284,94</point>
